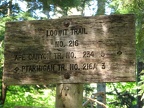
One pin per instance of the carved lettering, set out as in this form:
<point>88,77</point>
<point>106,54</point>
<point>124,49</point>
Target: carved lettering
<point>70,55</point>
<point>38,68</point>
<point>103,66</point>
<point>73,43</point>
<point>58,56</point>
<point>74,67</point>
<point>89,66</point>
<point>38,56</point>
<point>61,67</point>
<point>31,57</point>
<point>77,31</point>
<point>19,57</point>
<point>56,32</point>
<point>59,44</point>
<point>87,54</point>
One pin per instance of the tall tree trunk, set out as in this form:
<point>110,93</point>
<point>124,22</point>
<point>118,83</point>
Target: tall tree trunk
<point>101,87</point>
<point>3,93</point>
<point>140,67</point>
<point>101,7</point>
<point>83,7</point>
<point>47,14</point>
<point>9,9</point>
<point>101,90</point>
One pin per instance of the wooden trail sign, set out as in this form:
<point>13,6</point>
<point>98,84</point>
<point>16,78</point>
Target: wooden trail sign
<point>70,50</point>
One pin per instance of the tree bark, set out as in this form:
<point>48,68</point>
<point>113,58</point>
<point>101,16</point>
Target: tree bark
<point>140,67</point>
<point>3,93</point>
<point>9,11</point>
<point>101,7</point>
<point>69,96</point>
<point>101,87</point>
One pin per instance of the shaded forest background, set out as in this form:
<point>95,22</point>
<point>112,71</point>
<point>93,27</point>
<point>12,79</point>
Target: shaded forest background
<point>119,95</point>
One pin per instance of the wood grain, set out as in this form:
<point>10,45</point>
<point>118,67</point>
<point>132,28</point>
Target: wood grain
<point>70,50</point>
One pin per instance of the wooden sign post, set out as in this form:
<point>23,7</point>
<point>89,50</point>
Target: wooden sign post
<point>70,50</point>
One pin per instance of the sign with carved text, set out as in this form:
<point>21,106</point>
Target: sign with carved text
<point>70,50</point>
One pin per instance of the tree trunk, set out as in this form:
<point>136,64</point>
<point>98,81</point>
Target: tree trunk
<point>140,67</point>
<point>101,7</point>
<point>69,96</point>
<point>3,93</point>
<point>9,11</point>
<point>101,87</point>
<point>83,7</point>
<point>101,90</point>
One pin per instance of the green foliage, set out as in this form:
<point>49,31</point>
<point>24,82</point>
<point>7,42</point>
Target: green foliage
<point>89,89</point>
<point>136,7</point>
<point>1,54</point>
<point>121,6</point>
<point>59,6</point>
<point>121,95</point>
<point>24,16</point>
<point>141,85</point>
<point>30,96</point>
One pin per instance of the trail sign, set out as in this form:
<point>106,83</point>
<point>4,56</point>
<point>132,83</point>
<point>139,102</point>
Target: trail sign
<point>70,50</point>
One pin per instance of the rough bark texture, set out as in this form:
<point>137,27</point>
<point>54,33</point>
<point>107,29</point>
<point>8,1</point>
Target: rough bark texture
<point>3,93</point>
<point>101,87</point>
<point>140,67</point>
<point>69,96</point>
<point>101,90</point>
<point>70,50</point>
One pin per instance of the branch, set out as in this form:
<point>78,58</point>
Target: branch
<point>3,93</point>
<point>100,103</point>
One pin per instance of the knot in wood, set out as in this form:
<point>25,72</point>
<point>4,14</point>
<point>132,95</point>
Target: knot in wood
<point>67,88</point>
<point>66,75</point>
<point>66,23</point>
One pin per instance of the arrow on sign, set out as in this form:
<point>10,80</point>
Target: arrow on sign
<point>16,69</point>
